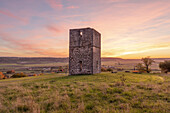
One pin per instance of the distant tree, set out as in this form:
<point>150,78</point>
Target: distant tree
<point>140,67</point>
<point>19,75</point>
<point>109,69</point>
<point>165,66</point>
<point>147,62</point>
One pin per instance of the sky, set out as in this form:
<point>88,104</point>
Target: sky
<point>129,28</point>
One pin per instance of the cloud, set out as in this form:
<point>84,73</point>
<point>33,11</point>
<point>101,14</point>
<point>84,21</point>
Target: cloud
<point>53,29</point>
<point>56,31</point>
<point>35,46</point>
<point>50,52</point>
<point>130,26</point>
<point>55,4</point>
<point>120,52</point>
<point>5,26</point>
<point>9,14</point>
<point>72,7</point>
<point>5,54</point>
<point>113,1</point>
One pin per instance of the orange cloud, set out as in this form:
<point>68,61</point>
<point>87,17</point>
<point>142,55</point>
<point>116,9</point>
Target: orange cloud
<point>120,52</point>
<point>53,52</point>
<point>33,45</point>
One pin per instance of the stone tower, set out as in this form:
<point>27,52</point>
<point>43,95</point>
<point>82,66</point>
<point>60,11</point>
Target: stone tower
<point>84,51</point>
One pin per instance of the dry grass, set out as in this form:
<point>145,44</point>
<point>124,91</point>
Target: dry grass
<point>103,92</point>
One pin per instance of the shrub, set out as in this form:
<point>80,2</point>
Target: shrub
<point>34,74</point>
<point>103,69</point>
<point>10,72</point>
<point>140,67</point>
<point>19,75</point>
<point>109,69</point>
<point>165,66</point>
<point>2,76</point>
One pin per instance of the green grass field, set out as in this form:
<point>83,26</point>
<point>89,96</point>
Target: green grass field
<point>103,92</point>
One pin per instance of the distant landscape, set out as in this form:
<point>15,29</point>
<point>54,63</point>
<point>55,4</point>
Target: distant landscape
<point>26,64</point>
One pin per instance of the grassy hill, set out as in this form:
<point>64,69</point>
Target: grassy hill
<point>105,92</point>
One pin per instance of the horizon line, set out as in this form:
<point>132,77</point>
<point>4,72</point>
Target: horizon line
<point>68,57</point>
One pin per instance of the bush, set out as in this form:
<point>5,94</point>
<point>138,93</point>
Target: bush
<point>2,76</point>
<point>140,67</point>
<point>109,69</point>
<point>10,72</point>
<point>165,66</point>
<point>19,75</point>
<point>103,69</point>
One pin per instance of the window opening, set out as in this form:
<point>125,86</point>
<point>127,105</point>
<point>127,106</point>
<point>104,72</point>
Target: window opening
<point>80,63</point>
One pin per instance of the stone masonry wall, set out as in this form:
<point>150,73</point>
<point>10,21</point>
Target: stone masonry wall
<point>96,52</point>
<point>84,51</point>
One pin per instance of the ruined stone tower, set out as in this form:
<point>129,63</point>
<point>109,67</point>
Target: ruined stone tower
<point>84,51</point>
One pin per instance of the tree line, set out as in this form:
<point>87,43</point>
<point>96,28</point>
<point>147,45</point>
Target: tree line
<point>147,62</point>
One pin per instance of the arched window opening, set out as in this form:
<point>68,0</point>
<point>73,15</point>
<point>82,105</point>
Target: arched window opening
<point>81,33</point>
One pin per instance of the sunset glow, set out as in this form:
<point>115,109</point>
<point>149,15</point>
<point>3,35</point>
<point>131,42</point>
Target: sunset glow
<point>129,28</point>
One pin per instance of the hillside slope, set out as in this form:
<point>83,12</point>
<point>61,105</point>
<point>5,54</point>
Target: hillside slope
<point>105,92</point>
